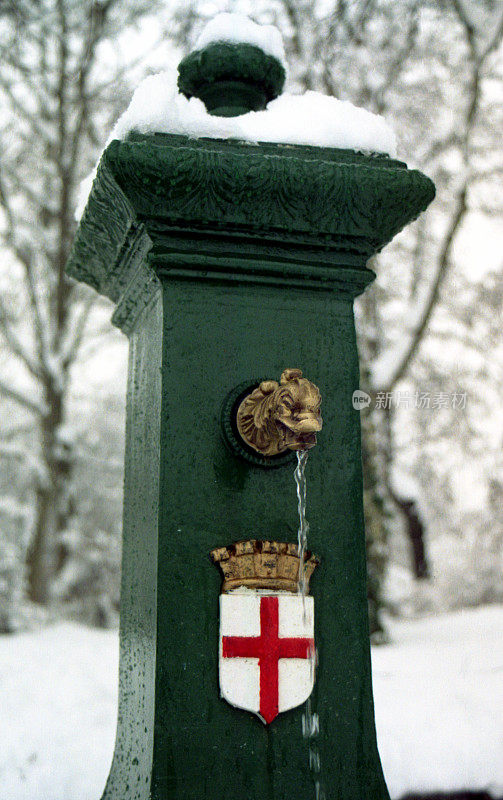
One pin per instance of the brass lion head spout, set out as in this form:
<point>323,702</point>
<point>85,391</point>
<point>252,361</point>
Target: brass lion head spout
<point>282,416</point>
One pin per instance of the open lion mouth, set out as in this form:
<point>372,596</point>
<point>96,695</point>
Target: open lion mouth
<point>298,440</point>
<point>304,441</point>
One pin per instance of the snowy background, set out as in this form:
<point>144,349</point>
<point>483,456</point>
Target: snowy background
<point>438,697</point>
<point>430,348</point>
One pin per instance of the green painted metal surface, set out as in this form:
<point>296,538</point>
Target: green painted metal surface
<point>219,336</point>
<point>130,775</point>
<point>229,261</point>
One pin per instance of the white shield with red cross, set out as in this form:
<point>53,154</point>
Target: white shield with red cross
<point>267,654</point>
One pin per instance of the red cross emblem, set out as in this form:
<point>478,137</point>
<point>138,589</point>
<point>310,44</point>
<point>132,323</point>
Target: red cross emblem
<point>270,648</point>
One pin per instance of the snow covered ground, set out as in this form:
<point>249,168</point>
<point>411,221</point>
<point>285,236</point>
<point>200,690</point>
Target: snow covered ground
<point>439,703</point>
<point>438,689</point>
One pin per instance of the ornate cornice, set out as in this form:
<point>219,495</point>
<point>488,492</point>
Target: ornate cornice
<point>199,208</point>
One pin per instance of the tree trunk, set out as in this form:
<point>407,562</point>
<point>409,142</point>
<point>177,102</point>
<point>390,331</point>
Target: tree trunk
<point>374,472</point>
<point>415,531</point>
<point>40,558</point>
<point>376,532</point>
<point>47,555</point>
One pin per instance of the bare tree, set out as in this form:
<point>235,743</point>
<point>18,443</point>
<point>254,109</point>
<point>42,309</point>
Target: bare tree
<point>462,155</point>
<point>429,67</point>
<point>55,104</point>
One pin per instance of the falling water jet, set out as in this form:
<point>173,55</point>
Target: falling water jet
<point>300,481</point>
<point>310,719</point>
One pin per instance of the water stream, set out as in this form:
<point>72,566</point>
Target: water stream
<point>300,481</point>
<point>310,719</point>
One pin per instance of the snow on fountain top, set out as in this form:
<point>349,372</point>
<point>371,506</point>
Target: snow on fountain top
<point>239,29</point>
<point>308,119</point>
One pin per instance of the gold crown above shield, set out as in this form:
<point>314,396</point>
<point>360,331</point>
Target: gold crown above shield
<point>263,565</point>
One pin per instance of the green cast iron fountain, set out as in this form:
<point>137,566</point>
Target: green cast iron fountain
<point>230,262</point>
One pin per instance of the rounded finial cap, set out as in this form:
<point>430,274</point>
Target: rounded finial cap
<point>231,78</point>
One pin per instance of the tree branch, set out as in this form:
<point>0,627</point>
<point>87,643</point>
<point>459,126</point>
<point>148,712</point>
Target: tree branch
<point>387,383</point>
<point>71,352</point>
<point>491,43</point>
<point>25,257</point>
<point>22,111</point>
<point>21,398</point>
<point>459,211</point>
<point>14,342</point>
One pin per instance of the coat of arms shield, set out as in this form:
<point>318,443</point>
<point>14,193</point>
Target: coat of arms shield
<point>266,643</point>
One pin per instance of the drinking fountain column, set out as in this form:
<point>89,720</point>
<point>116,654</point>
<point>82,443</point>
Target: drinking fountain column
<point>230,262</point>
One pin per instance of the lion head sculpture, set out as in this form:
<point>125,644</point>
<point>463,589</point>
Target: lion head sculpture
<point>276,416</point>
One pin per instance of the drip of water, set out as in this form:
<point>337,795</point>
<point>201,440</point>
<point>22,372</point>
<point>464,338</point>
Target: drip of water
<point>300,481</point>
<point>310,719</point>
<point>310,730</point>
